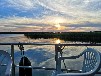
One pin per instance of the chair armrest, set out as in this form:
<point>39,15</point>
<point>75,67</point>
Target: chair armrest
<point>9,69</point>
<point>71,70</point>
<point>74,74</point>
<point>74,71</point>
<point>71,57</point>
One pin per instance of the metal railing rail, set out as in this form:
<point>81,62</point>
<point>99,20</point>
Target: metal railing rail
<point>34,43</point>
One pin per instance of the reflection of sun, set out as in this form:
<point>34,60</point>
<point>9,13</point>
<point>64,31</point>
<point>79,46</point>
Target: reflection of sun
<point>58,41</point>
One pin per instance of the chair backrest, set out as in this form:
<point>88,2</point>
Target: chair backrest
<point>91,60</point>
<point>5,60</point>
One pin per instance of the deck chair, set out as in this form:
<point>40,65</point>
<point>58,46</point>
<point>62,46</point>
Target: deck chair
<point>5,63</point>
<point>91,63</point>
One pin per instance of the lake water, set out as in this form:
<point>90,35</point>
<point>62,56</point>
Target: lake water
<point>43,55</point>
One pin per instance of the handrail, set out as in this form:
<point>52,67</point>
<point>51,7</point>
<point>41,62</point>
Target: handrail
<point>34,43</point>
<point>25,43</point>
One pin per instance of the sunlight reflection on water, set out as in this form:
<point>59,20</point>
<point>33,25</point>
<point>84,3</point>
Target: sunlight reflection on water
<point>58,41</point>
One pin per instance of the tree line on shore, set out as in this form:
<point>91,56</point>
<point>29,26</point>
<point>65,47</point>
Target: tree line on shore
<point>92,37</point>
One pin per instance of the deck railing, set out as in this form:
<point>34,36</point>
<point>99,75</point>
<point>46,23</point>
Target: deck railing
<point>58,48</point>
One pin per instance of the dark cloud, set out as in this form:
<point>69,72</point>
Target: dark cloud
<point>83,24</point>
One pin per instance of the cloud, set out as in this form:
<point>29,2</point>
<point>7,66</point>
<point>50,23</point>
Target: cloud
<point>48,23</point>
<point>82,7</point>
<point>83,24</point>
<point>74,15</point>
<point>67,8</point>
<point>70,6</point>
<point>22,5</point>
<point>83,29</point>
<point>94,5</point>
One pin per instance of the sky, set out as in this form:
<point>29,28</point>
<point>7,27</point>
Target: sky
<point>50,15</point>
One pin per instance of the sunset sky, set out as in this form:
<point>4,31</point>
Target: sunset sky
<point>50,15</point>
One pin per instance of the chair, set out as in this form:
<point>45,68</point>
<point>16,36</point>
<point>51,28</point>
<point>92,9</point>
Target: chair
<point>91,63</point>
<point>5,62</point>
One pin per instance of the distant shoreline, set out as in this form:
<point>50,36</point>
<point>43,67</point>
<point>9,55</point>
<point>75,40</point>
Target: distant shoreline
<point>91,37</point>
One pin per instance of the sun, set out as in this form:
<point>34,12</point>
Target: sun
<point>58,26</point>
